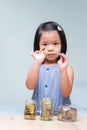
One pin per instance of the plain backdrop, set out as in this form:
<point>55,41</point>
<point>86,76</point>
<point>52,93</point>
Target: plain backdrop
<point>19,20</point>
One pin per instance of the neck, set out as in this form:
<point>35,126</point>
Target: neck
<point>49,63</point>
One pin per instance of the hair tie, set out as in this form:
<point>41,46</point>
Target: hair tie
<point>59,28</point>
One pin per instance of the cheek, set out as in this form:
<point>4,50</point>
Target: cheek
<point>58,50</point>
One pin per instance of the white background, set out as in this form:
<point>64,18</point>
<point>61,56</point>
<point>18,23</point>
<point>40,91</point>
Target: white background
<point>19,20</point>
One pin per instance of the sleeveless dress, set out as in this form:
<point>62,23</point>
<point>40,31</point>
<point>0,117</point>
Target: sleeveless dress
<point>48,85</point>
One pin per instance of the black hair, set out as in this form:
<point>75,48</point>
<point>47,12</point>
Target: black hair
<point>50,26</point>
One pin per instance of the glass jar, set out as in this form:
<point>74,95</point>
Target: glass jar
<point>30,110</point>
<point>67,113</point>
<point>46,109</point>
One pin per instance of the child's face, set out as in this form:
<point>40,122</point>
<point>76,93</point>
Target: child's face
<point>50,43</point>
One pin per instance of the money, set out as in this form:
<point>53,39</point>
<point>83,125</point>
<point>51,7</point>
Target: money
<point>30,110</point>
<point>46,109</point>
<point>67,113</point>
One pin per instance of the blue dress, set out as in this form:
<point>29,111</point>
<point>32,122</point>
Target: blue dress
<point>48,85</point>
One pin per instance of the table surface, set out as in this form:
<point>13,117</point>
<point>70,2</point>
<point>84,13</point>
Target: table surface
<point>17,122</point>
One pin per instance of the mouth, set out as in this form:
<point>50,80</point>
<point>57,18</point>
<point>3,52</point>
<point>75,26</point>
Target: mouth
<point>50,55</point>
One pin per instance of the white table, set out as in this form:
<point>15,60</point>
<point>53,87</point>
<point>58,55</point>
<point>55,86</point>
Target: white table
<point>17,122</point>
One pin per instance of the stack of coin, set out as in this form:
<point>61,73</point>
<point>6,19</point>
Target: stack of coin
<point>67,113</point>
<point>46,109</point>
<point>30,110</point>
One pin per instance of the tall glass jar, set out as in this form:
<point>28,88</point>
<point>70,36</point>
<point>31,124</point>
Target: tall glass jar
<point>30,110</point>
<point>46,109</point>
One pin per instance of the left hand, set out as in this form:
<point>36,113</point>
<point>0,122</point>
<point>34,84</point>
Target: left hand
<point>63,62</point>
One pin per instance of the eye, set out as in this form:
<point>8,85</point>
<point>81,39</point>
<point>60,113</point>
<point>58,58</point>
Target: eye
<point>44,44</point>
<point>56,43</point>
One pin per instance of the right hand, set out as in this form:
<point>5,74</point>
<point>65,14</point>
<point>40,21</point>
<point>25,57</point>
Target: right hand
<point>38,56</point>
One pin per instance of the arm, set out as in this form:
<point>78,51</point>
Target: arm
<point>66,76</point>
<point>32,76</point>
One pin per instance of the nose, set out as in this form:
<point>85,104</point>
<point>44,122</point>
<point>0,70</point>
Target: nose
<point>49,47</point>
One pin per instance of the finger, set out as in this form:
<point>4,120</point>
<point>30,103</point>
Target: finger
<point>32,53</point>
<point>63,57</point>
<point>42,49</point>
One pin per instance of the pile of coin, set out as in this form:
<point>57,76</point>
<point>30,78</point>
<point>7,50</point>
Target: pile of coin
<point>46,109</point>
<point>30,110</point>
<point>67,113</point>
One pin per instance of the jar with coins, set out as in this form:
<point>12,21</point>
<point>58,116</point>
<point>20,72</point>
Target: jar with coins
<point>67,113</point>
<point>46,109</point>
<point>30,110</point>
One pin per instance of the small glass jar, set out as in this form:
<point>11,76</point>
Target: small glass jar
<point>30,110</point>
<point>67,113</point>
<point>46,109</point>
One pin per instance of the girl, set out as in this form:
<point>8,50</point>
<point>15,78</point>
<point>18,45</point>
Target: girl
<point>50,75</point>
